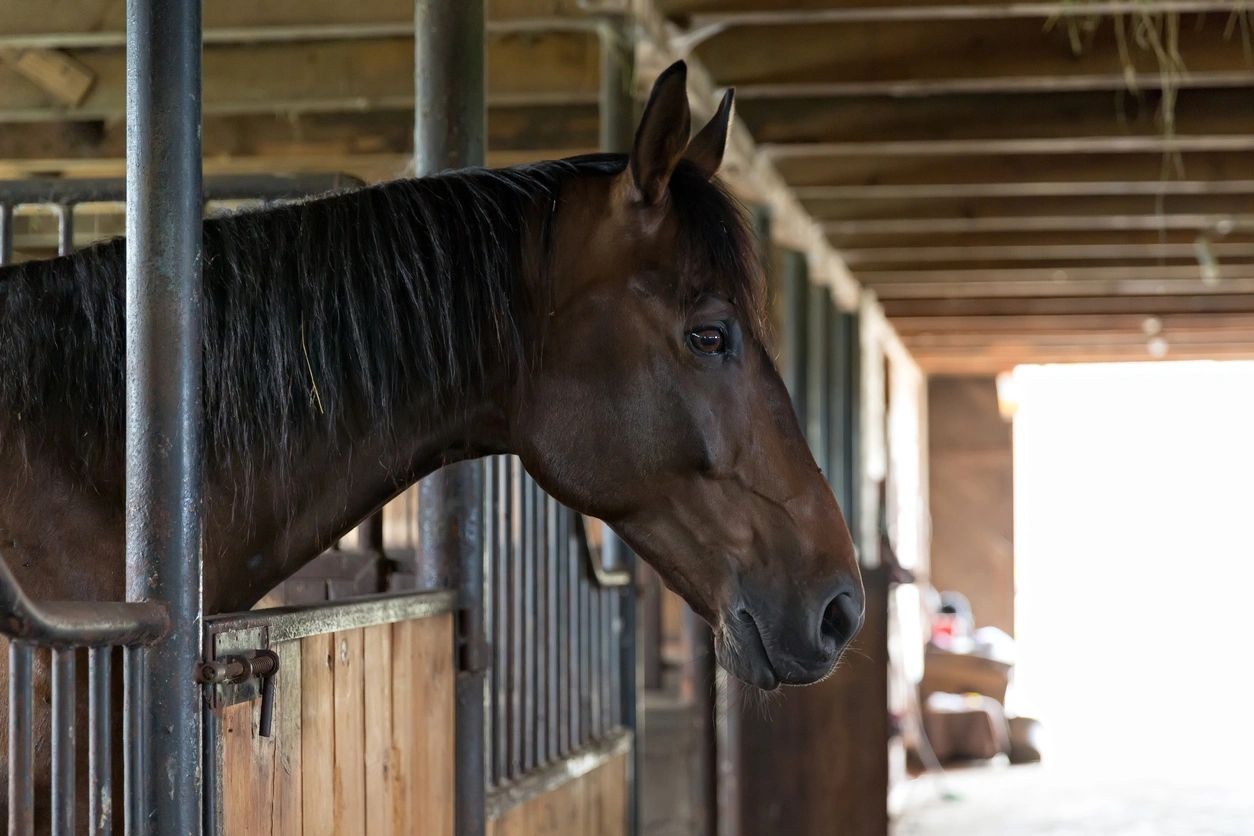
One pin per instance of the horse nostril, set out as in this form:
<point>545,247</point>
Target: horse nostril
<point>841,619</point>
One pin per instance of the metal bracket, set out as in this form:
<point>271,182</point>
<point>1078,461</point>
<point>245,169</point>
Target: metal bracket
<point>241,669</point>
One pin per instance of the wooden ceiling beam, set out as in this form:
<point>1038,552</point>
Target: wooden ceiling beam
<point>1202,223</point>
<point>727,13</point>
<point>1059,275</point>
<point>1081,323</point>
<point>61,24</point>
<point>1148,305</point>
<point>967,117</point>
<point>373,145</point>
<point>1182,285</point>
<point>352,76</point>
<point>993,360</point>
<point>925,57</point>
<point>1081,205</point>
<point>879,247</point>
<point>1014,171</point>
<point>1011,257</point>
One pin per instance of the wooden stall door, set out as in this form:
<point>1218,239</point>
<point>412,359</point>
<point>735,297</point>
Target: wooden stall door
<point>593,804</point>
<point>363,738</point>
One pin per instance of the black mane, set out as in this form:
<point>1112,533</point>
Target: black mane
<point>328,312</point>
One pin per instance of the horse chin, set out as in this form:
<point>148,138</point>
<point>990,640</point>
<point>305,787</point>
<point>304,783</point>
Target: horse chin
<point>739,649</point>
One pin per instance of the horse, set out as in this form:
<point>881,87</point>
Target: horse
<point>602,317</point>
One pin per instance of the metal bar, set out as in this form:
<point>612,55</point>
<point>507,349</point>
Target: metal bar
<point>527,557</point>
<point>501,634</point>
<point>561,537</point>
<point>818,353</point>
<point>65,229</point>
<point>698,687</point>
<point>793,297</point>
<point>67,192</point>
<point>163,393</point>
<point>99,772</point>
<point>552,524</point>
<point>585,650</point>
<point>491,525</point>
<point>574,579</point>
<point>6,233</point>
<point>76,623</point>
<point>291,623</point>
<point>543,582</point>
<point>450,103</point>
<point>135,762</point>
<point>63,742</point>
<point>596,630</point>
<point>21,750</point>
<point>516,618</point>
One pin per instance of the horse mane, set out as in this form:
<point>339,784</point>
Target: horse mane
<point>330,312</point>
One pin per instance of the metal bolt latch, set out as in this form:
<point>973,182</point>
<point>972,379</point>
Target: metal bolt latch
<point>256,664</point>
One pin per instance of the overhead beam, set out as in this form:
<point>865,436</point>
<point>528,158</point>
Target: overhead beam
<point>1050,115</point>
<point>879,247</point>
<point>721,13</point>
<point>944,56</point>
<point>102,23</point>
<point>353,76</point>
<point>1179,285</point>
<point>994,359</point>
<point>1052,305</point>
<point>1081,205</point>
<point>1241,324</point>
<point>1025,171</point>
<point>1011,257</point>
<point>1209,223</point>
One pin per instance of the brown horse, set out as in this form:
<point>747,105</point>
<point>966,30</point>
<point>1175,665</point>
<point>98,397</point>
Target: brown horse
<point>601,317</point>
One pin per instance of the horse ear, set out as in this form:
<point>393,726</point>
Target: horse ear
<point>707,147</point>
<point>662,134</point>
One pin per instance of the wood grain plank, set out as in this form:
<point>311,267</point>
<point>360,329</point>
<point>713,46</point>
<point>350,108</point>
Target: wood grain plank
<point>350,733</point>
<point>317,735</point>
<point>404,729</point>
<point>377,679</point>
<point>287,817</point>
<point>429,696</point>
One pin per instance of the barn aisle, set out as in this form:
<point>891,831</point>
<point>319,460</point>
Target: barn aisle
<point>1053,801</point>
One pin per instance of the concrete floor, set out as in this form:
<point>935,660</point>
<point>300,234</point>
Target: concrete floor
<point>1051,801</point>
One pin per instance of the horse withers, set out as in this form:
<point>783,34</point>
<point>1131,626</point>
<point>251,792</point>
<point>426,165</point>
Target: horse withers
<point>602,317</point>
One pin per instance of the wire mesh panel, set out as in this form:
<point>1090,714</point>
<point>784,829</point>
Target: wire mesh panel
<point>555,626</point>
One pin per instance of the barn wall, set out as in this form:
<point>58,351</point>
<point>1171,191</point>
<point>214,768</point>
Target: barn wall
<point>972,497</point>
<point>363,737</point>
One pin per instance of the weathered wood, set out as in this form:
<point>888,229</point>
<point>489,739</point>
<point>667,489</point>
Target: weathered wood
<point>971,117</point>
<point>317,716</point>
<point>925,56</point>
<point>873,170</point>
<point>1025,287</point>
<point>741,12</point>
<point>350,731</point>
<point>1048,223</point>
<point>378,753</point>
<point>357,75</point>
<point>1009,306</point>
<point>427,696</point>
<point>57,74</point>
<point>1060,275</point>
<point>1238,324</point>
<point>1012,257</point>
<point>1219,206</point>
<point>987,360</point>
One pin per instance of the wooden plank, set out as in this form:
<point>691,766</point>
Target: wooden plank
<point>248,764</point>
<point>350,733</point>
<point>1062,276</point>
<point>1104,305</point>
<point>287,803</point>
<point>1082,205</point>
<point>865,228</point>
<point>1238,324</point>
<point>755,12</point>
<point>1023,170</point>
<point>556,67</point>
<point>318,735</point>
<point>912,57</point>
<point>1026,288</point>
<point>993,360</point>
<point>876,247</point>
<point>377,684</point>
<point>422,705</point>
<point>972,117</point>
<point>103,21</point>
<point>57,74</point>
<point>1012,257</point>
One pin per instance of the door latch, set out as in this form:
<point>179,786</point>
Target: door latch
<point>235,678</point>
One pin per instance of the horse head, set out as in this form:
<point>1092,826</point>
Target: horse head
<point>653,403</point>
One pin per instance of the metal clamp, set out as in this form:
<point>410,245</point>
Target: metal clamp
<point>246,668</point>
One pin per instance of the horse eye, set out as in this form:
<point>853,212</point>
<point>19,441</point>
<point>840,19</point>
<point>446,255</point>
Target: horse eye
<point>708,340</point>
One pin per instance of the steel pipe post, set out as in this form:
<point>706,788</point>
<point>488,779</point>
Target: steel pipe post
<point>163,404</point>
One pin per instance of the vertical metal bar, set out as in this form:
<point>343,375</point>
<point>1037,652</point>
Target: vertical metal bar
<point>561,538</point>
<point>63,743</point>
<point>818,304</point>
<point>585,650</point>
<point>793,297</point>
<point>529,624</point>
<point>21,722</point>
<point>6,234</point>
<point>100,783</point>
<point>516,618</point>
<point>542,626</point>
<point>135,760</point>
<point>594,657</point>
<point>574,579</point>
<point>65,229</point>
<point>552,532</point>
<point>163,392</point>
<point>491,523</point>
<point>699,688</point>
<point>449,118</point>
<point>501,635</point>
